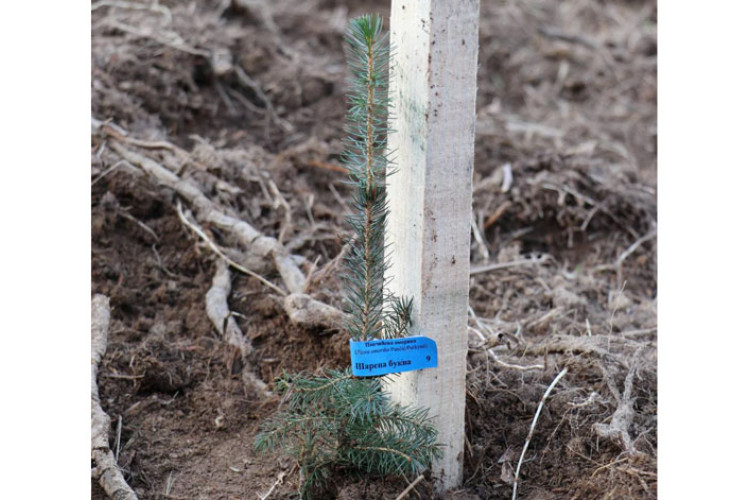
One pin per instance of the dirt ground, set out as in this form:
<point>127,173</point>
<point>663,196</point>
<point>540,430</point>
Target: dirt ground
<point>246,100</point>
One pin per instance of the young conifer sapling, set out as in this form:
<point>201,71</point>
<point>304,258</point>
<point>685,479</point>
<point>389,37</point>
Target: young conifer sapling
<point>338,421</point>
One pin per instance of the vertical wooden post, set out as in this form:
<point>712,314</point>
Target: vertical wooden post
<point>433,93</point>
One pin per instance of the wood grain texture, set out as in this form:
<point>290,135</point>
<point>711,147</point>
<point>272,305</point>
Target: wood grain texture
<point>433,93</point>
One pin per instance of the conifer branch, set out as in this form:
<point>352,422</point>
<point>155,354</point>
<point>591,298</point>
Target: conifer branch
<point>366,162</point>
<point>326,385</point>
<point>385,450</point>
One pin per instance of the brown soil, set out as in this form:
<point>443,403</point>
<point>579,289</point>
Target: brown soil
<point>567,96</point>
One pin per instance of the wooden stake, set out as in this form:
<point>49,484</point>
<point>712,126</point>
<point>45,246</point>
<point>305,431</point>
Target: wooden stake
<point>433,93</point>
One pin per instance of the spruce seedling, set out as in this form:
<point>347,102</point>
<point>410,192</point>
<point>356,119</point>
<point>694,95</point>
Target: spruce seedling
<point>339,421</point>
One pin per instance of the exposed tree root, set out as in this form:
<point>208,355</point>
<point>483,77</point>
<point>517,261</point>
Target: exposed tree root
<point>214,248</point>
<point>222,319</point>
<point>596,345</point>
<point>301,308</point>
<point>617,430</point>
<point>105,469</point>
<point>305,310</point>
<point>218,310</point>
<point>258,246</point>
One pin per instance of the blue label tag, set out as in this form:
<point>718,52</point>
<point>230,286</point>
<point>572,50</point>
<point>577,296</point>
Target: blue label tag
<point>383,356</point>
